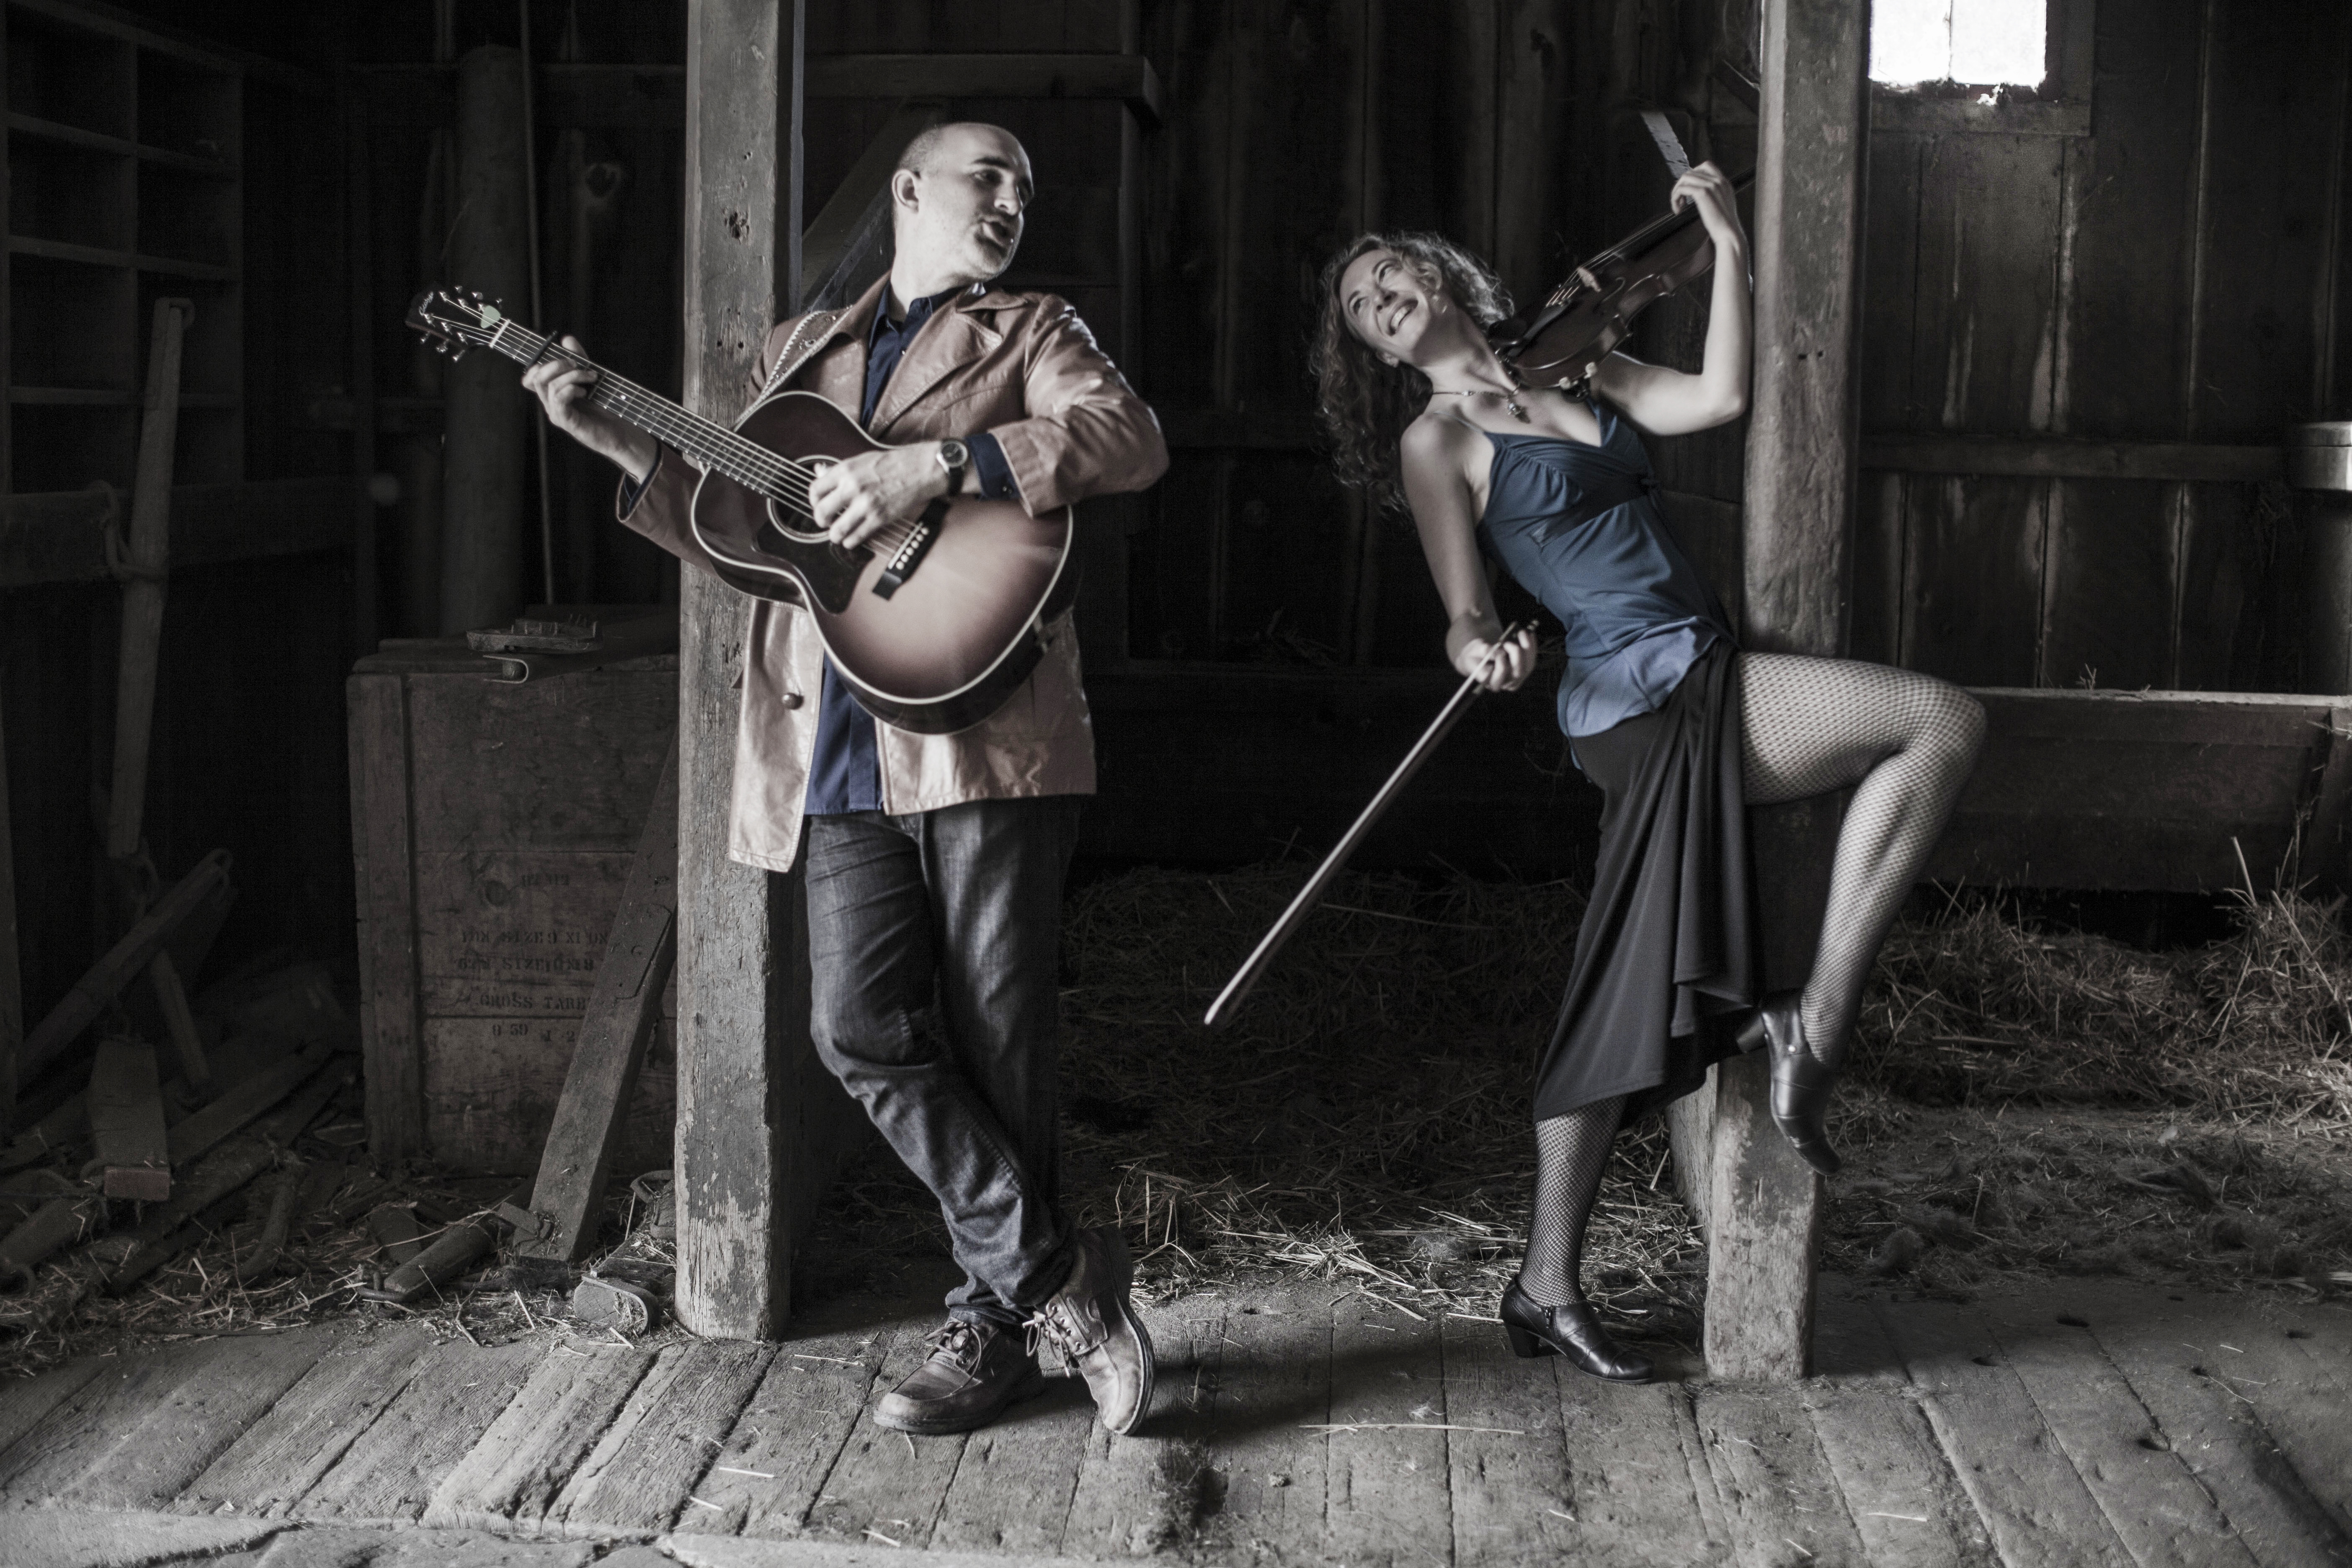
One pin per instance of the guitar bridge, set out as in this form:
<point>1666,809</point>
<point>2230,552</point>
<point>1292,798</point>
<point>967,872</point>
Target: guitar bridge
<point>909,554</point>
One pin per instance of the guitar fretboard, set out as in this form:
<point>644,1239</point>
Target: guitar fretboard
<point>712,445</point>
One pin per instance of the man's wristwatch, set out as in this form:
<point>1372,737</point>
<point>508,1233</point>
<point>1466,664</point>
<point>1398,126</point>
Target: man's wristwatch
<point>955,457</point>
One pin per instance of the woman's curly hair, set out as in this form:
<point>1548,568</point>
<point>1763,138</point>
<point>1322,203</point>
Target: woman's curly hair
<point>1364,405</point>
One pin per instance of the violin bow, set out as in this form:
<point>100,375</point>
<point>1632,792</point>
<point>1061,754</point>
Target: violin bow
<point>1221,1012</point>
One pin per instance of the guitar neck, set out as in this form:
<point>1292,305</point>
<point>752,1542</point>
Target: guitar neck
<point>710,445</point>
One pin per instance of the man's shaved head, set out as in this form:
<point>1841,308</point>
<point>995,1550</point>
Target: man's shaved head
<point>957,198</point>
<point>917,159</point>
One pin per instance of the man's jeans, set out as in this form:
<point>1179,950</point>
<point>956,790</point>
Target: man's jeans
<point>935,947</point>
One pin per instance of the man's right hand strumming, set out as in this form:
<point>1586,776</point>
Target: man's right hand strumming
<point>562,387</point>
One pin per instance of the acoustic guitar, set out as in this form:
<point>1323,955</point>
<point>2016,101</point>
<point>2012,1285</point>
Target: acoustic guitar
<point>934,622</point>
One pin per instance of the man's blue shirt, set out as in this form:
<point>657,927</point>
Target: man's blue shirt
<point>846,775</point>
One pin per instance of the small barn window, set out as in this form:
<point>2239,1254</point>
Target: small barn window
<point>1971,42</point>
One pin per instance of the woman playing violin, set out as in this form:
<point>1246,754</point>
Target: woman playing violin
<point>1680,730</point>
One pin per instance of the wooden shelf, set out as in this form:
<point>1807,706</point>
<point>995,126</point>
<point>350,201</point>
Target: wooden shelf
<point>99,142</point>
<point>110,397</point>
<point>114,204</point>
<point>96,256</point>
<point>161,39</point>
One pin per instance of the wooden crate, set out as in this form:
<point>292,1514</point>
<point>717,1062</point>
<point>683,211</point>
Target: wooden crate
<point>493,827</point>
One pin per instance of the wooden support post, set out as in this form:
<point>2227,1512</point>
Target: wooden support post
<point>1765,1223</point>
<point>126,1121</point>
<point>142,593</point>
<point>142,634</point>
<point>613,1034</point>
<point>358,266</point>
<point>12,992</point>
<point>392,1018</point>
<point>742,1005</point>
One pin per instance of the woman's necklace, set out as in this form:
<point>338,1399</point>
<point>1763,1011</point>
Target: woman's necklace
<point>1509,399</point>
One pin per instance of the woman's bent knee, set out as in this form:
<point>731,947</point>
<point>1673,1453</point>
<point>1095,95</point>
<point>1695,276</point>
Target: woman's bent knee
<point>1958,724</point>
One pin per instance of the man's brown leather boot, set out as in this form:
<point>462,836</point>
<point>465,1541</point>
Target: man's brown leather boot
<point>975,1369</point>
<point>1089,1320</point>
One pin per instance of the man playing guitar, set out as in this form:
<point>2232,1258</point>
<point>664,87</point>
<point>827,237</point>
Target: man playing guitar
<point>935,862</point>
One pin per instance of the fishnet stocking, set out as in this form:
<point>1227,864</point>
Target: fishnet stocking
<point>1571,1150</point>
<point>1811,725</point>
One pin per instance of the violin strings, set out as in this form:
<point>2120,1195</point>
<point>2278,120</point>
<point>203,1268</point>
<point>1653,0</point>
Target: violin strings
<point>1642,237</point>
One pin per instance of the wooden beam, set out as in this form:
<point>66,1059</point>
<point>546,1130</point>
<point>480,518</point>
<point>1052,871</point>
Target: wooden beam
<point>392,1019</point>
<point>1129,78</point>
<point>735,961</point>
<point>126,1121</point>
<point>848,246</point>
<point>2062,457</point>
<point>1220,764</point>
<point>2147,790</point>
<point>127,959</point>
<point>122,1257</point>
<point>161,37</point>
<point>567,97</point>
<point>615,97</point>
<point>59,536</point>
<point>359,279</point>
<point>1764,1226</point>
<point>1220,429</point>
<point>613,1034</point>
<point>1910,114</point>
<point>197,1133</point>
<point>149,556</point>
<point>12,989</point>
<point>2031,457</point>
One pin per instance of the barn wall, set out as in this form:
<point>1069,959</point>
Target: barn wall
<point>2170,276</point>
<point>247,744</point>
<point>2173,274</point>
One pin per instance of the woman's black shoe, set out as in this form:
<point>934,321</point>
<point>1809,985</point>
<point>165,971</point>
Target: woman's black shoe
<point>1536,1330</point>
<point>1801,1084</point>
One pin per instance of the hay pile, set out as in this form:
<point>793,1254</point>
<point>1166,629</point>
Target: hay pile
<point>1976,1006</point>
<point>2023,1100</point>
<point>1365,1117</point>
<point>330,1255</point>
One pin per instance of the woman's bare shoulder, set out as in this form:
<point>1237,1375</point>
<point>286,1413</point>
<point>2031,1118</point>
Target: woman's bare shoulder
<point>1431,436</point>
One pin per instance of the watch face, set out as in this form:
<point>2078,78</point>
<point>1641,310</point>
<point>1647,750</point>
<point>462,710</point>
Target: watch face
<point>955,453</point>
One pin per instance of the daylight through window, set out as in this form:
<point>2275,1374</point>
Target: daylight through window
<point>1984,43</point>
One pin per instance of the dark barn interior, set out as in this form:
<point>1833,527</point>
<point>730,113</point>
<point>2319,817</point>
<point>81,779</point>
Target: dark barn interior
<point>412,1141</point>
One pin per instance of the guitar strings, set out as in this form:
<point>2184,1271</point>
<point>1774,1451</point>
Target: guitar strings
<point>767,473</point>
<point>761,467</point>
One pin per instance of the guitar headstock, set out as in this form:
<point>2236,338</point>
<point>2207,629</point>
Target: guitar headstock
<point>456,319</point>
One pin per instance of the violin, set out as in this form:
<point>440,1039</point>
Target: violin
<point>1562,342</point>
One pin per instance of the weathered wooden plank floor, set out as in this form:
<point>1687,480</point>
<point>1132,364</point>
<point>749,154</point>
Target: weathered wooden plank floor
<point>2090,1423</point>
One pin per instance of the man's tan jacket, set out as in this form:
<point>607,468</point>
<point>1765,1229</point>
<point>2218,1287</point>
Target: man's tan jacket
<point>1023,367</point>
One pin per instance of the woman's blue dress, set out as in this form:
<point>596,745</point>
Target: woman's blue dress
<point>1665,952</point>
